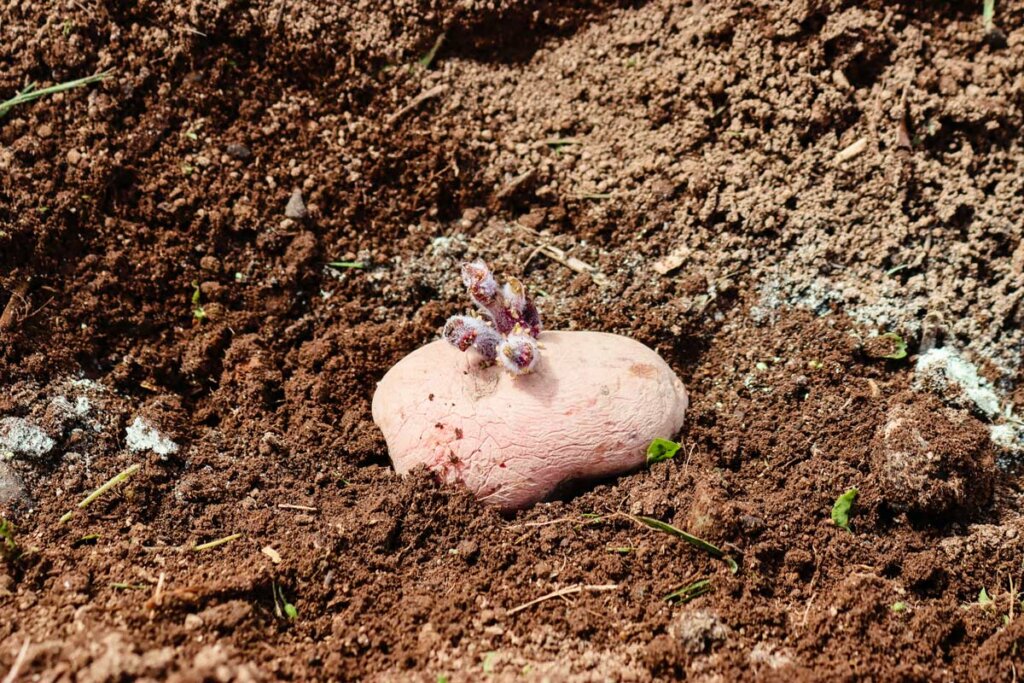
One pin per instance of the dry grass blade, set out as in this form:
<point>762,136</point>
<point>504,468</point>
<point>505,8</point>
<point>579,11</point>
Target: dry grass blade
<point>19,661</point>
<point>217,542</point>
<point>561,593</point>
<point>415,102</point>
<point>116,480</point>
<point>709,548</point>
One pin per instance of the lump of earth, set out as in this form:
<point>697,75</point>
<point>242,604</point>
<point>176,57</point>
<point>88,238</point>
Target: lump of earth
<point>698,631</point>
<point>12,488</point>
<point>589,410</point>
<point>932,460</point>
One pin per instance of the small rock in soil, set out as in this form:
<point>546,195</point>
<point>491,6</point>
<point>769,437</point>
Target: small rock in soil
<point>468,550</point>
<point>12,488</point>
<point>21,437</point>
<point>226,616</point>
<point>699,631</point>
<point>296,208</point>
<point>238,151</point>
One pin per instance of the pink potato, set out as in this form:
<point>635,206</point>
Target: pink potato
<point>589,409</point>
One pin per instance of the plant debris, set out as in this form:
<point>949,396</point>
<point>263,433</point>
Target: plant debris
<point>714,550</point>
<point>661,450</point>
<point>841,509</point>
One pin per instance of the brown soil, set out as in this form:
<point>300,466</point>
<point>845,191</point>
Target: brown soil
<point>756,190</point>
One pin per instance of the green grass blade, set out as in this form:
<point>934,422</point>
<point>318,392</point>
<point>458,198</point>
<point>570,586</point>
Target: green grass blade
<point>713,550</point>
<point>689,592</point>
<point>30,92</point>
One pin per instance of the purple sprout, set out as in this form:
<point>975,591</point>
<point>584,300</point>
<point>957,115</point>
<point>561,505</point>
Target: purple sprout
<point>510,333</point>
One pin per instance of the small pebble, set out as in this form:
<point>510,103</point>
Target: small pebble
<point>210,263</point>
<point>74,156</point>
<point>12,488</point>
<point>296,208</point>
<point>44,131</point>
<point>238,151</point>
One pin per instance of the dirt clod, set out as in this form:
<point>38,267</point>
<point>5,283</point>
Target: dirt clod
<point>933,460</point>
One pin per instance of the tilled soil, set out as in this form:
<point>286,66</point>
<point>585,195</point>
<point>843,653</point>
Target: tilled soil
<point>760,191</point>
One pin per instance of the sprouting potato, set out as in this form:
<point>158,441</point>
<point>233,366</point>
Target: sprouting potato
<point>512,429</point>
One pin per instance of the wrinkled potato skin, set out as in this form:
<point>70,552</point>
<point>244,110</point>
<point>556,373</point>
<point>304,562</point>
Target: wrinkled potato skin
<point>589,410</point>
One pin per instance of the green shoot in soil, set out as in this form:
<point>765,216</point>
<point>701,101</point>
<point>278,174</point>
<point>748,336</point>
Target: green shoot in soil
<point>899,346</point>
<point>213,544</point>
<point>689,592</point>
<point>984,598</point>
<point>988,14</point>
<point>898,607</point>
<point>426,60</point>
<point>282,608</point>
<point>661,449</point>
<point>88,538</point>
<point>198,314</point>
<point>30,93</point>
<point>116,480</point>
<point>713,550</point>
<point>9,551</point>
<point>841,509</point>
<point>347,264</point>
<point>128,586</point>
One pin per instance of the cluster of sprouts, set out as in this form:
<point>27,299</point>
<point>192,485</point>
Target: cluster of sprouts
<point>509,335</point>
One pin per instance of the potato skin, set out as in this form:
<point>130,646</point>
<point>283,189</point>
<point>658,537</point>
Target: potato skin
<point>589,410</point>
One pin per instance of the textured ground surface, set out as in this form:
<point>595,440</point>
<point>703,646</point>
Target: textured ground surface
<point>758,190</point>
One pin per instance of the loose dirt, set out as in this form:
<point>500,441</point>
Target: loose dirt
<point>760,191</point>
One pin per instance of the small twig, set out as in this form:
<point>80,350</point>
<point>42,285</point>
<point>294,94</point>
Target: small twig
<point>417,101</point>
<point>561,593</point>
<point>158,594</point>
<point>513,186</point>
<point>218,542</point>
<point>572,263</point>
<point>117,479</point>
<point>289,506</point>
<point>852,151</point>
<point>12,675</point>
